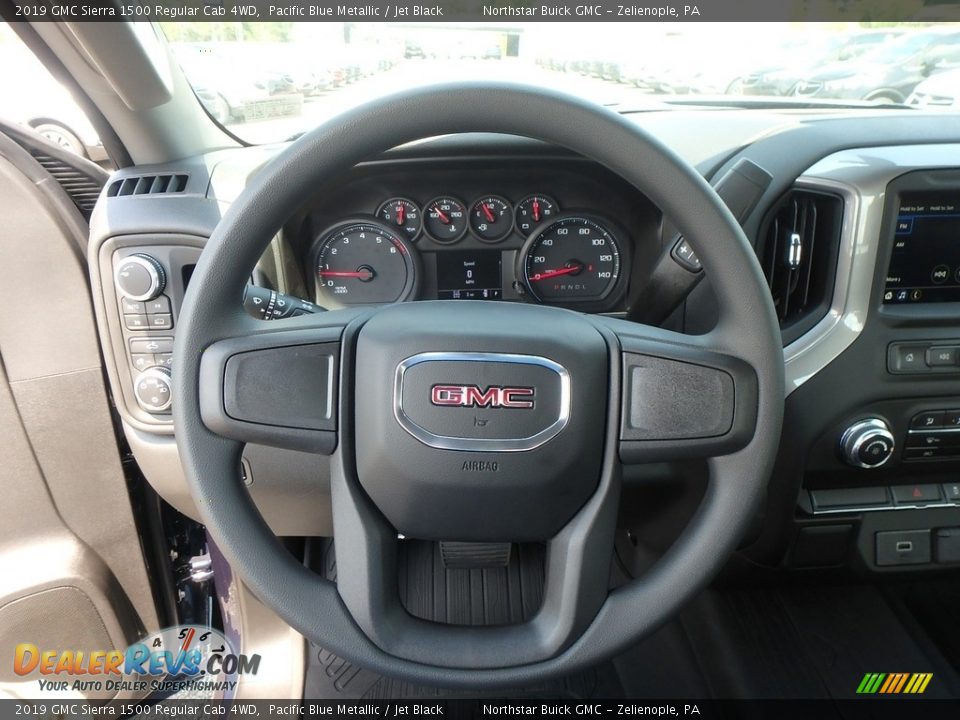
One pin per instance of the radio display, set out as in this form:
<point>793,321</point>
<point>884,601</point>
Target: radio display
<point>469,275</point>
<point>925,264</point>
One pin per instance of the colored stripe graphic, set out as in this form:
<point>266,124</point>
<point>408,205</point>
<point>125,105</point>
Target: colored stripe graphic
<point>894,683</point>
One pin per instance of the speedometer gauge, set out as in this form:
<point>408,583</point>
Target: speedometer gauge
<point>572,259</point>
<point>363,263</point>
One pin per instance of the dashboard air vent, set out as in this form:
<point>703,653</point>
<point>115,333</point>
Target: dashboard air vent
<point>148,185</point>
<point>81,187</point>
<point>800,242</point>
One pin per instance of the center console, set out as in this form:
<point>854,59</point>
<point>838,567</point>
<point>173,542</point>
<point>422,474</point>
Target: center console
<point>880,458</point>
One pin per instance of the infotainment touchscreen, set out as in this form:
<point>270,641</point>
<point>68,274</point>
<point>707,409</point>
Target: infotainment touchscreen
<point>925,264</point>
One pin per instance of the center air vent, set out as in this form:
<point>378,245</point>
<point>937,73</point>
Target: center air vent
<point>800,242</point>
<point>148,185</point>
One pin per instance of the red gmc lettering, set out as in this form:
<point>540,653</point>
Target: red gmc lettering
<point>473,396</point>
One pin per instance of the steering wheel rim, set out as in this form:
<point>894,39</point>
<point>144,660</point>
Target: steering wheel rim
<point>212,316</point>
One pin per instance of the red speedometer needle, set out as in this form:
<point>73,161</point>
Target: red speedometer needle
<point>361,274</point>
<point>487,212</point>
<point>536,210</point>
<point>400,214</point>
<point>440,214</point>
<point>546,274</point>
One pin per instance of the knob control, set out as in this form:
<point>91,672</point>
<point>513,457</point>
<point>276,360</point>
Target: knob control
<point>140,277</point>
<point>152,389</point>
<point>867,443</point>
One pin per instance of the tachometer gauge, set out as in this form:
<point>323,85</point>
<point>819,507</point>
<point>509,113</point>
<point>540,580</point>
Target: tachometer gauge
<point>445,219</point>
<point>402,215</point>
<point>491,218</point>
<point>533,210</point>
<point>572,259</point>
<point>362,263</point>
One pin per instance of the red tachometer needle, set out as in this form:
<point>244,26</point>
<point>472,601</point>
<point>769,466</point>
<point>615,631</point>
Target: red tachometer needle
<point>546,274</point>
<point>361,274</point>
<point>400,214</point>
<point>440,214</point>
<point>536,210</point>
<point>488,213</point>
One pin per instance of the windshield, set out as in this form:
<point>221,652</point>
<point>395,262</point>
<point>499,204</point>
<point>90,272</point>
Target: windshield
<point>270,81</point>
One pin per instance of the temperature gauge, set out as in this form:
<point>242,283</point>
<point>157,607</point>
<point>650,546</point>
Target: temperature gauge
<point>403,215</point>
<point>533,210</point>
<point>445,219</point>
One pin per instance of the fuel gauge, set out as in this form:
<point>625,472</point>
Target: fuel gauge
<point>491,218</point>
<point>403,215</point>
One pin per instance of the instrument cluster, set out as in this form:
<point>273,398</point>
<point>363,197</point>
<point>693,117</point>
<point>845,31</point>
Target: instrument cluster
<point>492,248</point>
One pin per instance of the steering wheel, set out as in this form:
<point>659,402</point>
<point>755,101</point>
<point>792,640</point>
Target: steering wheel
<point>579,396</point>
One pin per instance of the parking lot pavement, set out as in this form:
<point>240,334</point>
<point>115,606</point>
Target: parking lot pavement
<point>412,73</point>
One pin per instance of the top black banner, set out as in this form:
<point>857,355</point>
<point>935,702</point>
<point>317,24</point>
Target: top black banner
<point>491,11</point>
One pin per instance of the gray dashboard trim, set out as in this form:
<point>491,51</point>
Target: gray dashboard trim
<point>861,176</point>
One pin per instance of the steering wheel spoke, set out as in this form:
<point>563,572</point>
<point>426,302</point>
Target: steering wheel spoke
<point>683,396</point>
<point>575,583</point>
<point>276,383</point>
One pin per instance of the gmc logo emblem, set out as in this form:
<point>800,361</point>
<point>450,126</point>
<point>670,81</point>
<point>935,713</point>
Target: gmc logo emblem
<point>472,396</point>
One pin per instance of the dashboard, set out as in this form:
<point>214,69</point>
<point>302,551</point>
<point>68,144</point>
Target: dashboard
<point>858,233</point>
<point>556,232</point>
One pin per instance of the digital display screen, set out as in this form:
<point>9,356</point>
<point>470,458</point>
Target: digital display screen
<point>925,264</point>
<point>469,275</point>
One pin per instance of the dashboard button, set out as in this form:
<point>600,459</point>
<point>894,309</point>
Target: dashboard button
<point>951,418</point>
<point>941,356</point>
<point>135,322</point>
<point>909,358</point>
<point>951,491</point>
<point>160,304</point>
<point>132,307</point>
<point>152,345</point>
<point>928,420</point>
<point>926,440</point>
<point>916,494</point>
<point>164,359</point>
<point>850,497</point>
<point>161,322</point>
<point>141,361</point>
<point>925,453</point>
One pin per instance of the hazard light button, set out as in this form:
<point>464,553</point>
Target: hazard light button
<point>916,494</point>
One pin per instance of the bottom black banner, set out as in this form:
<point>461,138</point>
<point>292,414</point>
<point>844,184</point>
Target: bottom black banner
<point>878,708</point>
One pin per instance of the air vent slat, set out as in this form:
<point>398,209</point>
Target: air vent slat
<point>162,184</point>
<point>808,238</point>
<point>798,253</point>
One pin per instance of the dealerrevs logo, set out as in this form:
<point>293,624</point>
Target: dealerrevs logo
<point>494,396</point>
<point>181,657</point>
